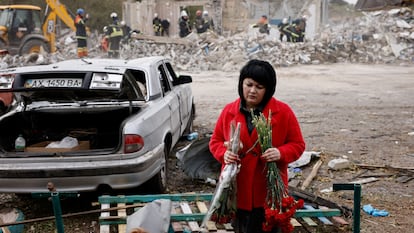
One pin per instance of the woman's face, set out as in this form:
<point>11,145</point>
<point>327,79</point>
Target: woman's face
<point>253,92</point>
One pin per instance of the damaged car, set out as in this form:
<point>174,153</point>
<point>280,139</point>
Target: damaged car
<point>92,124</point>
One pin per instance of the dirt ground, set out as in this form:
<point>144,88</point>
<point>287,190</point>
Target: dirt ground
<point>361,112</point>
<point>364,113</point>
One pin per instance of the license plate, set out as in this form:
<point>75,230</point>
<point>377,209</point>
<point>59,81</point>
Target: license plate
<point>53,82</point>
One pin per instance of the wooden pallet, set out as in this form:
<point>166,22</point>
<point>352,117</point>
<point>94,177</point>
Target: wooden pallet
<point>188,211</point>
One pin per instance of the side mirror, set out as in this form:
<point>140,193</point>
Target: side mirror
<point>182,79</point>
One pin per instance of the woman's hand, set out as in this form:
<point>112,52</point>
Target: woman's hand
<point>230,157</point>
<point>271,155</point>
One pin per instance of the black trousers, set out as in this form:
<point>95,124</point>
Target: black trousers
<point>250,221</point>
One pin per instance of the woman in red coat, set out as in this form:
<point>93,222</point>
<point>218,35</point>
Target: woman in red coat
<point>257,84</point>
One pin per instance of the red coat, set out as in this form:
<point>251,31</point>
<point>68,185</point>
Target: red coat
<point>286,136</point>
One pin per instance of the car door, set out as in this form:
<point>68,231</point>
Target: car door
<point>184,95</point>
<point>172,102</point>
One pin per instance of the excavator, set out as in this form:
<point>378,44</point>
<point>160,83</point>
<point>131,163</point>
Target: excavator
<point>22,31</point>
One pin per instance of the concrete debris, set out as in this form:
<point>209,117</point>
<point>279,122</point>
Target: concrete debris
<point>380,37</point>
<point>338,164</point>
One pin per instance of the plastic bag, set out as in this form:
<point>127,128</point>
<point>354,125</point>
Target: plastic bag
<point>66,142</point>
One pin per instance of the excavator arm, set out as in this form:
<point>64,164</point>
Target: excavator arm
<point>54,10</point>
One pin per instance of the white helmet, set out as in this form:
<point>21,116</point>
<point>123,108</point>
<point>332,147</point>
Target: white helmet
<point>123,23</point>
<point>114,15</point>
<point>205,13</point>
<point>183,13</point>
<point>285,21</point>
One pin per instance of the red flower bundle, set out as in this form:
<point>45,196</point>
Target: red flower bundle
<point>280,217</point>
<point>279,206</point>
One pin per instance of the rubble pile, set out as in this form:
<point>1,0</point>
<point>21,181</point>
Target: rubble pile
<point>376,38</point>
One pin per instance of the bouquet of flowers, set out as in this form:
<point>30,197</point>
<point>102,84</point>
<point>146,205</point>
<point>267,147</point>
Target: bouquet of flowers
<point>224,203</point>
<point>279,206</point>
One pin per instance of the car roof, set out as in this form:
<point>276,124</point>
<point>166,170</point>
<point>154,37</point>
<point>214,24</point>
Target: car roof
<point>93,64</point>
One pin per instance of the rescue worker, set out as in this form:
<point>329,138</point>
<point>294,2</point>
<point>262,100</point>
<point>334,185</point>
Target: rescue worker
<point>126,31</point>
<point>199,22</point>
<point>165,23</point>
<point>184,25</point>
<point>300,28</point>
<point>156,24</point>
<point>281,26</point>
<point>114,34</point>
<point>263,25</point>
<point>291,33</point>
<point>81,35</point>
<point>208,21</point>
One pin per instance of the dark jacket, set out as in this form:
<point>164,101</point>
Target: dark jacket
<point>185,27</point>
<point>80,27</point>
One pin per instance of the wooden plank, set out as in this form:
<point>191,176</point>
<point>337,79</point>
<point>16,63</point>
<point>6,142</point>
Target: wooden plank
<point>187,210</point>
<point>295,222</point>
<point>337,219</point>
<point>122,213</point>
<point>210,225</point>
<point>309,221</point>
<point>322,219</point>
<point>317,213</point>
<point>176,225</point>
<point>104,228</point>
<point>149,198</point>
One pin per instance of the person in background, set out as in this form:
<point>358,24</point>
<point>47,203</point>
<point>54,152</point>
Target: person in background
<point>199,22</point>
<point>81,35</point>
<point>126,31</point>
<point>114,34</point>
<point>165,23</point>
<point>184,24</point>
<point>263,25</point>
<point>291,32</point>
<point>208,23</point>
<point>256,87</point>
<point>301,28</point>
<point>156,25</point>
<point>281,26</point>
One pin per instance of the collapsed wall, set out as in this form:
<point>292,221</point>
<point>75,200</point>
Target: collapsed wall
<point>381,37</point>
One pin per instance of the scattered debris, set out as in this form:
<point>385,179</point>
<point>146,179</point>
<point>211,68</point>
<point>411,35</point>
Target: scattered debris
<point>365,181</point>
<point>374,212</point>
<point>312,175</point>
<point>338,164</point>
<point>376,37</point>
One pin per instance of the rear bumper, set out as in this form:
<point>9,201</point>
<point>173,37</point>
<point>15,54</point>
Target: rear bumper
<point>81,176</point>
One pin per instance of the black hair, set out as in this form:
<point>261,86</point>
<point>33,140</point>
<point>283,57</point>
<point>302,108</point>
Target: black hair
<point>261,72</point>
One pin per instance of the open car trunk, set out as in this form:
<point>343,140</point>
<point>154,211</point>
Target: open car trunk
<point>51,106</point>
<point>93,127</point>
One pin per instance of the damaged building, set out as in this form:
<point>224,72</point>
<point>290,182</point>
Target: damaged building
<point>230,16</point>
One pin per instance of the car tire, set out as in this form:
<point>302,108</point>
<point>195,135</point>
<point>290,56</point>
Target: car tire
<point>158,183</point>
<point>189,126</point>
<point>34,46</point>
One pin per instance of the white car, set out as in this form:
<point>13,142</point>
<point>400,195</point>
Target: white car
<point>121,118</point>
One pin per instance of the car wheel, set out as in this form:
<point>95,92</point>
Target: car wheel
<point>158,183</point>
<point>34,46</point>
